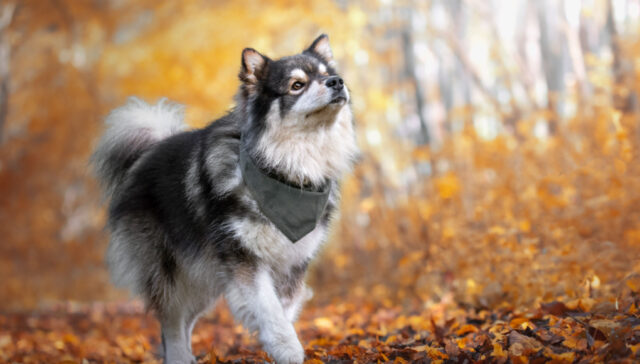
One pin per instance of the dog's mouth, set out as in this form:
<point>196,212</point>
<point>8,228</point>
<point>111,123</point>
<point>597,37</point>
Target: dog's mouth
<point>338,100</point>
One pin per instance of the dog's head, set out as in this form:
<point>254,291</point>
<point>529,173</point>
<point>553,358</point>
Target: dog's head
<point>304,88</point>
<point>296,110</point>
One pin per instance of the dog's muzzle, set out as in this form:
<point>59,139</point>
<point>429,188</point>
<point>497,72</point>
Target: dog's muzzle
<point>336,84</point>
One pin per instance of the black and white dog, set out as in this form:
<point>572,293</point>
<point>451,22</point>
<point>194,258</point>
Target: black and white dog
<point>237,209</point>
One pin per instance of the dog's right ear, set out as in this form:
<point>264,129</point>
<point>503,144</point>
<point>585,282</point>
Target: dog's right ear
<point>253,66</point>
<point>321,47</point>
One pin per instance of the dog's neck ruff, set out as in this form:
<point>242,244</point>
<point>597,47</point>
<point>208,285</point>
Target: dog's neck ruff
<point>294,211</point>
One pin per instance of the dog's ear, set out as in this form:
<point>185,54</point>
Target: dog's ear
<point>321,47</point>
<point>253,66</point>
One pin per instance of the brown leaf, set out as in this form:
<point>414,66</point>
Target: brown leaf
<point>451,348</point>
<point>523,345</point>
<point>555,308</point>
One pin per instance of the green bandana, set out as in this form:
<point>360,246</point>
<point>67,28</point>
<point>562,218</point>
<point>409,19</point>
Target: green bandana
<point>295,211</point>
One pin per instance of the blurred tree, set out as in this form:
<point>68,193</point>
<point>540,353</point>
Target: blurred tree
<point>552,50</point>
<point>6,14</point>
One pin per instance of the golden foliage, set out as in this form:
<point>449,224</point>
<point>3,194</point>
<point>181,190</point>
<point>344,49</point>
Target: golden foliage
<point>514,220</point>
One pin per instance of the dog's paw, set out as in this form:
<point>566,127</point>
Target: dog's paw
<point>290,354</point>
<point>286,351</point>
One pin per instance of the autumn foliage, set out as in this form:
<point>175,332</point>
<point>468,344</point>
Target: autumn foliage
<point>510,247</point>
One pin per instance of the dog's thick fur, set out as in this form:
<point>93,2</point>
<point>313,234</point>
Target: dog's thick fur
<point>184,228</point>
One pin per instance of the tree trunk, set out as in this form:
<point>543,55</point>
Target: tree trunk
<point>410,67</point>
<point>622,99</point>
<point>552,53</point>
<point>6,14</point>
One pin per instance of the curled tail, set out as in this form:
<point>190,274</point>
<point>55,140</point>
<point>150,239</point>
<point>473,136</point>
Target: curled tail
<point>130,131</point>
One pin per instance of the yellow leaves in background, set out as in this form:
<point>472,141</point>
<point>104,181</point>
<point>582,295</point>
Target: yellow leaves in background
<point>448,186</point>
<point>421,154</point>
<point>513,219</point>
<point>192,53</point>
<point>378,100</point>
<point>552,194</point>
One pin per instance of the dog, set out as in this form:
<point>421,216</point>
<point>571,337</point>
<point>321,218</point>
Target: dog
<point>236,209</point>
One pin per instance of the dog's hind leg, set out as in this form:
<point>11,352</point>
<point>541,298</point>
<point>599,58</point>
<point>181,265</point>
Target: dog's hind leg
<point>254,301</point>
<point>176,348</point>
<point>198,307</point>
<point>190,322</point>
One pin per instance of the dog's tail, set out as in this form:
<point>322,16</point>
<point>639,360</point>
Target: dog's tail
<point>131,130</point>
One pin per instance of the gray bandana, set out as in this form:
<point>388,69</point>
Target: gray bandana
<point>294,211</point>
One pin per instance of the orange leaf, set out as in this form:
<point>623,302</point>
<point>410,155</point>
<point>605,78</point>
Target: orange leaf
<point>564,358</point>
<point>498,352</point>
<point>466,329</point>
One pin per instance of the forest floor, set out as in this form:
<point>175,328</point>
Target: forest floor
<point>579,331</point>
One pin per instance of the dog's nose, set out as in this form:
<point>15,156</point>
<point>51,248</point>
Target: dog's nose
<point>335,82</point>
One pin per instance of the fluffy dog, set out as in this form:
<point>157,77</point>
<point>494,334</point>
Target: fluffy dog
<point>236,209</point>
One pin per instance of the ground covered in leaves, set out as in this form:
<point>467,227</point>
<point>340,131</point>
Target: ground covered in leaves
<point>578,331</point>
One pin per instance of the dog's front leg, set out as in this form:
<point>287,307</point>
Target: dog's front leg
<point>293,305</point>
<point>253,301</point>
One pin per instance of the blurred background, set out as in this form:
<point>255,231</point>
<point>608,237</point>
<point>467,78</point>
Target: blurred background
<point>499,139</point>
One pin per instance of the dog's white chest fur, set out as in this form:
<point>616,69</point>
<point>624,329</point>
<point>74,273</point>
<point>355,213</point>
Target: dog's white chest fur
<point>270,245</point>
<point>305,151</point>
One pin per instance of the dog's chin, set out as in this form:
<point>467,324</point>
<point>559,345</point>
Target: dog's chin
<point>328,111</point>
<point>338,100</point>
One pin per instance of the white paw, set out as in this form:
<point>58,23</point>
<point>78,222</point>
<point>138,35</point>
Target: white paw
<point>285,351</point>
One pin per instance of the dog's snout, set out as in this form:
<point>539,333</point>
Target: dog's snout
<point>335,82</point>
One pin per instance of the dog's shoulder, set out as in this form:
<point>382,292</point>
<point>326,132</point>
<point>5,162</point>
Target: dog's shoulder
<point>179,148</point>
<point>225,127</point>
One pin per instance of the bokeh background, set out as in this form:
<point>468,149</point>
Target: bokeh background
<point>500,139</point>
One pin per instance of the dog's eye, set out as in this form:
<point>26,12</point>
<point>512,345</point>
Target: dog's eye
<point>297,85</point>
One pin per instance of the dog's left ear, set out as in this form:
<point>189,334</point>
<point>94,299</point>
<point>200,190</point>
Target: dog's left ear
<point>321,47</point>
<point>254,65</point>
